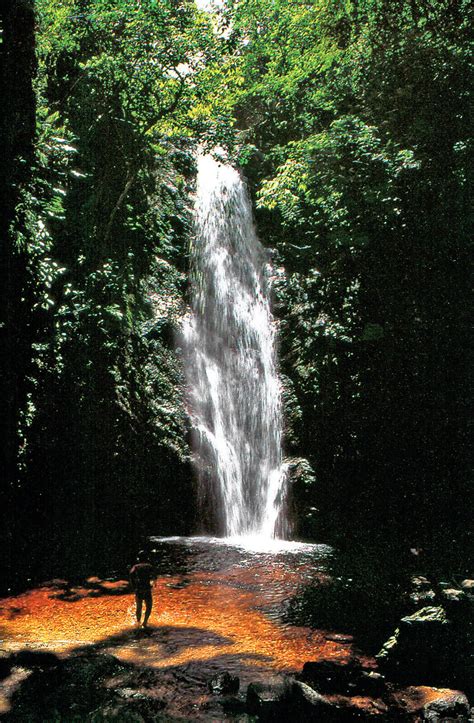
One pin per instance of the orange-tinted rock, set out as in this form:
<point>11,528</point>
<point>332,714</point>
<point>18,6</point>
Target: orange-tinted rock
<point>416,699</point>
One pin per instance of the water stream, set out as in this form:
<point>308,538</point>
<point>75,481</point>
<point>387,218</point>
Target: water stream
<point>234,390</point>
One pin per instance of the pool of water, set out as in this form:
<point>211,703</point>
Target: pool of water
<point>219,605</point>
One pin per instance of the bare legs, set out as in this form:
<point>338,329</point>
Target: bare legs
<point>148,606</point>
<point>140,598</point>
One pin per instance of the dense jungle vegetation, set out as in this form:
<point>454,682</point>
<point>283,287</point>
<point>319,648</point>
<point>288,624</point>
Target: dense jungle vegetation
<point>351,121</point>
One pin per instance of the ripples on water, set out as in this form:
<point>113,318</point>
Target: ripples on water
<point>275,567</point>
<point>218,605</point>
<point>271,571</point>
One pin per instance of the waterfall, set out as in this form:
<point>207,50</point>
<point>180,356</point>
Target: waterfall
<point>234,390</point>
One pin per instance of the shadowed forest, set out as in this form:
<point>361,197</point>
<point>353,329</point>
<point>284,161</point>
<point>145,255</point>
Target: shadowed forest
<point>352,125</point>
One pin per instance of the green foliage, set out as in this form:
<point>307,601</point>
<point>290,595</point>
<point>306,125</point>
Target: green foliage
<point>354,126</point>
<point>351,121</point>
<point>116,84</point>
<point>117,90</point>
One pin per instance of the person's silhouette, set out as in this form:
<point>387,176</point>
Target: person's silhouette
<point>141,577</point>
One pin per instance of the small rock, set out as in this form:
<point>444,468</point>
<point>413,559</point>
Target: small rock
<point>468,585</point>
<point>420,582</point>
<point>452,595</point>
<point>266,700</point>
<point>67,596</point>
<point>92,581</point>
<point>56,583</point>
<point>422,598</point>
<point>339,637</point>
<point>130,710</point>
<point>426,617</point>
<point>224,684</point>
<point>115,587</point>
<point>130,694</point>
<point>450,707</point>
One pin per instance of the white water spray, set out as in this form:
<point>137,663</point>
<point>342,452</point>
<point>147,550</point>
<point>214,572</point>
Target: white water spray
<point>234,390</point>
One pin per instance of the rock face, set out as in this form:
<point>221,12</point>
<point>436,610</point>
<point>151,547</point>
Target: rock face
<point>433,646</point>
<point>417,651</point>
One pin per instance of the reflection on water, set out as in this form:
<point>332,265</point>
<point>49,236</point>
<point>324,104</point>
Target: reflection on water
<point>222,553</point>
<point>218,606</point>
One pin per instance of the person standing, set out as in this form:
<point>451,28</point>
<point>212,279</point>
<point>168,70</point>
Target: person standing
<point>141,577</point>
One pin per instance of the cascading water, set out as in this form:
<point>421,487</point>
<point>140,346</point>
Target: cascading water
<point>234,391</point>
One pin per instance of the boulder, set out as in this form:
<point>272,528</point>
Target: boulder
<point>459,606</point>
<point>234,707</point>
<point>306,704</point>
<point>417,647</point>
<point>417,703</point>
<point>432,648</point>
<point>224,684</point>
<point>453,706</point>
<point>426,618</point>
<point>331,676</point>
<point>417,652</point>
<point>422,593</point>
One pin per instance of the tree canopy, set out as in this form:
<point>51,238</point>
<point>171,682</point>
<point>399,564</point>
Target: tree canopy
<point>351,122</point>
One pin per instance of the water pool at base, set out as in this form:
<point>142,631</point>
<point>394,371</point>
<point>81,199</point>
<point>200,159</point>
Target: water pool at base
<point>219,605</point>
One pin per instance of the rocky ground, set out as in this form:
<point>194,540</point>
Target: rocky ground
<point>211,656</point>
